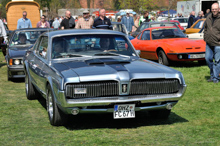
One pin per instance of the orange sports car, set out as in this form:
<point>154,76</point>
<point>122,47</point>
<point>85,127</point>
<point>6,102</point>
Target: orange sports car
<point>167,44</point>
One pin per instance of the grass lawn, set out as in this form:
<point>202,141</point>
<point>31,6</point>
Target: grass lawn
<point>195,120</point>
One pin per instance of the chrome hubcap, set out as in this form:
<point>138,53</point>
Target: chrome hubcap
<point>160,60</point>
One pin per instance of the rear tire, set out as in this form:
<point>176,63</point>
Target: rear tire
<point>56,116</point>
<point>160,114</point>
<point>30,91</point>
<point>162,58</point>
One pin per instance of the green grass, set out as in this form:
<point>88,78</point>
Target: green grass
<point>195,120</point>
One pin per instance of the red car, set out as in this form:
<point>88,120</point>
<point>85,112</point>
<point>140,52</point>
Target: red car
<point>167,44</point>
<point>177,23</point>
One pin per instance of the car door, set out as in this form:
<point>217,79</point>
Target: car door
<point>39,61</point>
<point>144,45</point>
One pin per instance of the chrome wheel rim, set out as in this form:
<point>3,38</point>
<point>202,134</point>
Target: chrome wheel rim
<point>50,105</point>
<point>160,60</point>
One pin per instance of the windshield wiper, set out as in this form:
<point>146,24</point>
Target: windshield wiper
<point>106,54</point>
<point>68,55</point>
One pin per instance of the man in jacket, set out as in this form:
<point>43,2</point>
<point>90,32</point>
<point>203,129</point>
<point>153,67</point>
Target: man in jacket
<point>212,39</point>
<point>102,22</point>
<point>128,21</point>
<point>24,22</point>
<point>85,22</point>
<point>68,22</point>
<point>191,19</point>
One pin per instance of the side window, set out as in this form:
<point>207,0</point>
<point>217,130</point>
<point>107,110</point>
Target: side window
<point>142,27</point>
<point>42,47</point>
<point>198,25</point>
<point>146,35</point>
<point>139,36</point>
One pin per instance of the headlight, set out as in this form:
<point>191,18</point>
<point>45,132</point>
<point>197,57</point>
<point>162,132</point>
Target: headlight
<point>16,62</point>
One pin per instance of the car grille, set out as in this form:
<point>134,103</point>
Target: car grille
<point>94,89</point>
<point>111,88</point>
<point>146,87</point>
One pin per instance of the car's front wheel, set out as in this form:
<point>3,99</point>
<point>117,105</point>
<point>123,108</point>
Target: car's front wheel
<point>9,79</point>
<point>160,114</point>
<point>162,58</point>
<point>30,91</point>
<point>56,116</point>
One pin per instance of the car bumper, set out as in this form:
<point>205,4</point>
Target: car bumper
<point>16,71</point>
<point>185,56</point>
<point>106,104</point>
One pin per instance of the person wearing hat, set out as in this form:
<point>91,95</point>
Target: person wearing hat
<point>128,21</point>
<point>85,22</point>
<point>119,19</point>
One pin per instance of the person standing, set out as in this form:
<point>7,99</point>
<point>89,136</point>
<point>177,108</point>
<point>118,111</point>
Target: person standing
<point>24,22</point>
<point>128,21</point>
<point>191,20</point>
<point>211,37</point>
<point>102,22</point>
<point>207,13</point>
<point>136,23</point>
<point>85,22</point>
<point>146,15</point>
<point>56,23</point>
<point>200,16</point>
<point>68,22</point>
<point>43,23</point>
<point>3,37</point>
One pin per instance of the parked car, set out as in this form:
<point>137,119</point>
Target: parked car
<point>145,25</point>
<point>196,27</point>
<point>21,40</point>
<point>98,71</point>
<point>166,44</point>
<point>182,20</point>
<point>196,36</point>
<point>177,23</point>
<point>117,26</point>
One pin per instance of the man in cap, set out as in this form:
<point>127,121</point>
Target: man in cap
<point>85,22</point>
<point>128,21</point>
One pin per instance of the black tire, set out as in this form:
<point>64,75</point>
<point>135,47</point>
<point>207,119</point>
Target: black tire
<point>202,62</point>
<point>160,114</point>
<point>30,91</point>
<point>162,58</point>
<point>9,79</point>
<point>56,116</point>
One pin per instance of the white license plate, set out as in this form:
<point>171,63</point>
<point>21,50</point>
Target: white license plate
<point>124,111</point>
<point>192,56</point>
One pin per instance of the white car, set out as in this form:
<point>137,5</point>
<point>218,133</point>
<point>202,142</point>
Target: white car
<point>183,21</point>
<point>196,36</point>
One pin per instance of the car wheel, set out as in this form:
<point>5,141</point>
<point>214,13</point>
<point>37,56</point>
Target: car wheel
<point>162,58</point>
<point>202,62</point>
<point>160,114</point>
<point>30,91</point>
<point>56,116</point>
<point>9,79</point>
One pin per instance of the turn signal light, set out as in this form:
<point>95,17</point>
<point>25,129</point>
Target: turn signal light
<point>10,62</point>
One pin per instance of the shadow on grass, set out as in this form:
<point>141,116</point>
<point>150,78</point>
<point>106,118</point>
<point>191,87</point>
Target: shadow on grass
<point>17,80</point>
<point>2,64</point>
<point>94,121</point>
<point>186,64</point>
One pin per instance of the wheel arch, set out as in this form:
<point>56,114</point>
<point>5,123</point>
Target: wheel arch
<point>158,49</point>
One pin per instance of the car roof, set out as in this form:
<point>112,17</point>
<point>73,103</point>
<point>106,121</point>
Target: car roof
<point>171,21</point>
<point>158,22</point>
<point>82,31</point>
<point>161,27</point>
<point>33,29</point>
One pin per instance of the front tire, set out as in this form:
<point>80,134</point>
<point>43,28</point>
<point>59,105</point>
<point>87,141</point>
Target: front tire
<point>56,116</point>
<point>9,79</point>
<point>162,58</point>
<point>30,91</point>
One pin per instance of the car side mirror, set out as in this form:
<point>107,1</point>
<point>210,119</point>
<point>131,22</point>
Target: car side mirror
<point>138,52</point>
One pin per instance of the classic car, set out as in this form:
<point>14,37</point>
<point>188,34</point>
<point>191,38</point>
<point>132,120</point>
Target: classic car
<point>145,25</point>
<point>117,26</point>
<point>197,36</point>
<point>21,40</point>
<point>167,44</point>
<point>182,20</point>
<point>98,71</point>
<point>196,27</point>
<point>177,23</point>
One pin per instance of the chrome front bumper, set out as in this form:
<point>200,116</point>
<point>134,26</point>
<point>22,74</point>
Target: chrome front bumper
<point>68,104</point>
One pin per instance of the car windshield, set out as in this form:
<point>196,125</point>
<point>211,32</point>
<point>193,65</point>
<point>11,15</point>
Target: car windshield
<point>26,38</point>
<point>164,24</point>
<point>182,20</point>
<point>90,45</point>
<point>165,33</point>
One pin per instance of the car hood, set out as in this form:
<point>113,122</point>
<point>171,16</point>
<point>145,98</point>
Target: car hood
<point>17,51</point>
<point>112,69</point>
<point>185,45</point>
